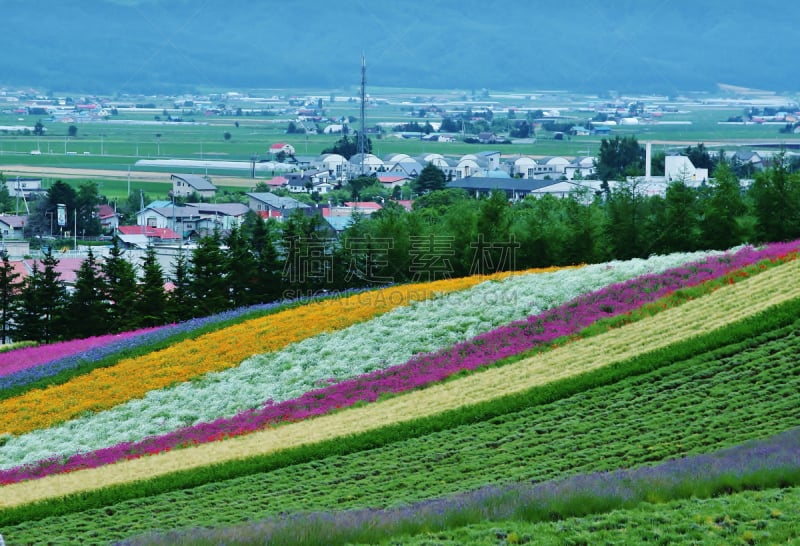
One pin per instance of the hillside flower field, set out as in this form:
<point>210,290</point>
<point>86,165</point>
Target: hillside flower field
<point>298,382</point>
<point>270,378</point>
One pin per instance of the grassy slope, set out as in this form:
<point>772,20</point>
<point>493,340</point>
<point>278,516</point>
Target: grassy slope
<point>750,517</point>
<point>643,419</point>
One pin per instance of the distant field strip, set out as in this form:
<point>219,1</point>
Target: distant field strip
<point>726,305</point>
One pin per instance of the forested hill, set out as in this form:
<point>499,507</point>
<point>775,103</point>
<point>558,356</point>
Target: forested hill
<point>124,46</point>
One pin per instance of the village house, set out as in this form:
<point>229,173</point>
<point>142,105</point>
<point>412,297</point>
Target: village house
<point>21,187</point>
<point>185,185</point>
<point>109,219</point>
<point>281,147</point>
<point>269,205</point>
<point>182,220</point>
<point>12,226</point>
<point>145,236</point>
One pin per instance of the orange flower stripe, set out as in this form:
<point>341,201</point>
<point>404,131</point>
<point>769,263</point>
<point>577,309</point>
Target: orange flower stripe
<point>132,378</point>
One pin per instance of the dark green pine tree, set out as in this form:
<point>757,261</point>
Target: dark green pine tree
<point>725,206</point>
<point>208,288</point>
<point>120,278</point>
<point>241,268</point>
<point>88,307</point>
<point>151,300</point>
<point>775,194</point>
<point>29,322</point>
<point>8,291</point>
<point>179,306</point>
<point>53,299</point>
<point>268,262</point>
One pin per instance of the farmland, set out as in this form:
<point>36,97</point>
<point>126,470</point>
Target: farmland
<point>108,150</point>
<point>704,367</point>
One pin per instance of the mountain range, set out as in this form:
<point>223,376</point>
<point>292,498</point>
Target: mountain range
<point>154,46</point>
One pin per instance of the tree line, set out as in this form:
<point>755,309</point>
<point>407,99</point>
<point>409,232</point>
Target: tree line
<point>448,233</point>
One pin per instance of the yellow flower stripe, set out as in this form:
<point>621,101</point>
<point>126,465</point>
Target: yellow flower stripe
<point>133,377</point>
<point>706,314</point>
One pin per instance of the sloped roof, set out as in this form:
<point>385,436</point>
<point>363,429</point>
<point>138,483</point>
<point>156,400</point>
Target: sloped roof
<point>106,211</point>
<point>227,209</point>
<point>277,201</point>
<point>196,181</point>
<point>149,231</point>
<point>13,221</point>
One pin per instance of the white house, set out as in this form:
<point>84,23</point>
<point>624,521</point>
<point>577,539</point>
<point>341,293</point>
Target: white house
<point>279,147</point>
<point>582,164</point>
<point>680,167</point>
<point>523,167</point>
<point>335,164</point>
<point>553,166</point>
<point>24,187</point>
<point>371,165</point>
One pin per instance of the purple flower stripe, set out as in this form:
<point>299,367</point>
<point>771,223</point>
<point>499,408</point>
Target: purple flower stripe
<point>424,369</point>
<point>51,360</point>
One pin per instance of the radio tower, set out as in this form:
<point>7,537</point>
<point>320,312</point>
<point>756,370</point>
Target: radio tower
<point>362,134</point>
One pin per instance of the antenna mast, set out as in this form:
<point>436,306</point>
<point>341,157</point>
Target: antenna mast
<point>362,135</point>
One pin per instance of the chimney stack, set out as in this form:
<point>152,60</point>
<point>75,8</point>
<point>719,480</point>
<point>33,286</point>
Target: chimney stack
<point>648,159</point>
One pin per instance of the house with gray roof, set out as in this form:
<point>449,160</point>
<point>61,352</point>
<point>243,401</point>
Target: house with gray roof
<point>269,205</point>
<point>222,216</point>
<point>184,185</point>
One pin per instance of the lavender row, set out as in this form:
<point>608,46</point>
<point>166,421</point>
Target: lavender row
<point>109,345</point>
<point>772,462</point>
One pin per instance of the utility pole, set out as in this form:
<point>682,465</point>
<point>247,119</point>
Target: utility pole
<point>362,135</point>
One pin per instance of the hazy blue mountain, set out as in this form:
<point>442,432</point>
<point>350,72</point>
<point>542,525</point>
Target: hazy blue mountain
<point>126,46</point>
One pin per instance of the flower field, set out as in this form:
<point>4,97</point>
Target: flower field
<point>537,376</point>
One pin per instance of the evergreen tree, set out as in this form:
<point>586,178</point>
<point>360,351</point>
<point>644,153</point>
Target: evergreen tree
<point>241,268</point>
<point>680,231</point>
<point>86,201</point>
<point>88,307</point>
<point>8,291</point>
<point>307,251</point>
<point>208,288</point>
<point>776,202</point>
<point>431,178</point>
<point>721,226</point>
<point>619,158</point>
<point>625,210</point>
<point>179,306</point>
<point>151,300</point>
<point>120,278</point>
<point>29,322</point>
<point>53,299</point>
<point>495,251</point>
<point>268,262</point>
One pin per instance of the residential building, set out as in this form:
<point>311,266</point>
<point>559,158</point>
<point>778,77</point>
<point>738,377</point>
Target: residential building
<point>269,205</point>
<point>184,185</point>
<point>12,225</point>
<point>180,219</point>
<point>109,219</point>
<point>23,187</point>
<point>279,147</point>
